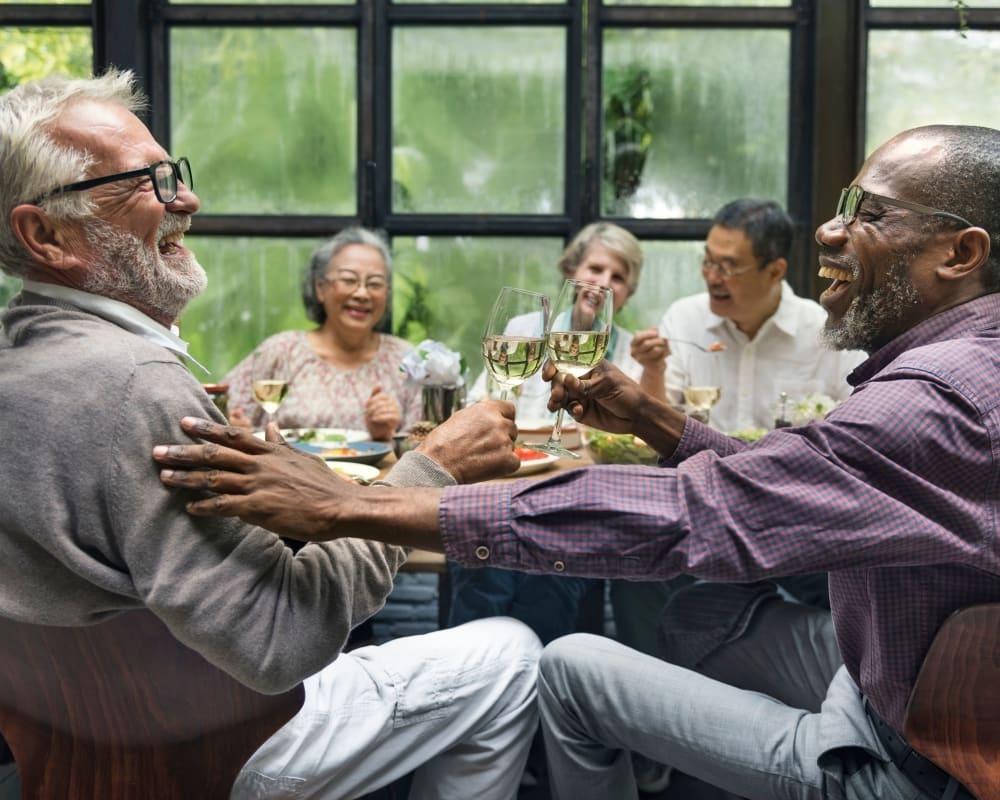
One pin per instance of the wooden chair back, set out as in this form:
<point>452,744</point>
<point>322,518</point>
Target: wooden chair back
<point>123,710</point>
<point>953,715</point>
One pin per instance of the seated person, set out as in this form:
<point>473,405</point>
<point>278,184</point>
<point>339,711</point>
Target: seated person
<point>92,218</point>
<point>343,374</point>
<point>607,255</point>
<point>893,494</point>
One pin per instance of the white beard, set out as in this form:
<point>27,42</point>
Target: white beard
<point>126,269</point>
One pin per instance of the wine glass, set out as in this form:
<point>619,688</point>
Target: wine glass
<point>514,339</point>
<point>269,384</point>
<point>700,399</point>
<point>577,338</point>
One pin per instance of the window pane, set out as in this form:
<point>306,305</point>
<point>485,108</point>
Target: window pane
<point>740,3</point>
<point>253,291</point>
<point>263,2</point>
<point>9,286</point>
<point>267,117</point>
<point>670,270</point>
<point>30,53</point>
<point>924,77</point>
<point>718,126</point>
<point>479,120</point>
<point>444,288</point>
<point>929,3</point>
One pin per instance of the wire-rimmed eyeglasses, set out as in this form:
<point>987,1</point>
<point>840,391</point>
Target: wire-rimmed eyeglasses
<point>165,175</point>
<point>725,270</point>
<point>852,197</point>
<point>350,282</point>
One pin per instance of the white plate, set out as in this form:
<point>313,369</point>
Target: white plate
<point>322,436</point>
<point>533,465</point>
<point>363,472</point>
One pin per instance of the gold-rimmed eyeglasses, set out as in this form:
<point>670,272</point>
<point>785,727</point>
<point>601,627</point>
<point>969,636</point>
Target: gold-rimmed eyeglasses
<point>350,281</point>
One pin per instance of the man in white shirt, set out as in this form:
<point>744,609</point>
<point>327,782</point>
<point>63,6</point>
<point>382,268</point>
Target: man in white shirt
<point>770,335</point>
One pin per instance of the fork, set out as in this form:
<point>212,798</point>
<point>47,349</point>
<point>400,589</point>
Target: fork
<point>714,347</point>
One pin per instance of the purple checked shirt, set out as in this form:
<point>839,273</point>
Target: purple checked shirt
<point>895,494</point>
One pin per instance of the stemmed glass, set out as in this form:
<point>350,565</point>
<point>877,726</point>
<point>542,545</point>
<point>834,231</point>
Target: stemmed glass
<point>577,338</point>
<point>514,339</point>
<point>269,383</point>
<point>700,400</point>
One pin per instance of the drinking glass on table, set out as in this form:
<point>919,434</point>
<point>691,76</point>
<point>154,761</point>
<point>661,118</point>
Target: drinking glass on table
<point>577,338</point>
<point>269,383</point>
<point>700,399</point>
<point>514,339</point>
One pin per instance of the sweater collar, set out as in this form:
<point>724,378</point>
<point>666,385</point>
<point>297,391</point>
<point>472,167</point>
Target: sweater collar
<point>117,312</point>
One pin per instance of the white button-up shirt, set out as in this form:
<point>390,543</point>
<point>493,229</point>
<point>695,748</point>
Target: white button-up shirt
<point>787,355</point>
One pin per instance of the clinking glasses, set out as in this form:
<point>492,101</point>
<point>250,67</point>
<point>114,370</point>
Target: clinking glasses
<point>165,176</point>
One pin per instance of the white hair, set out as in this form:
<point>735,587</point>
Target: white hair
<point>32,162</point>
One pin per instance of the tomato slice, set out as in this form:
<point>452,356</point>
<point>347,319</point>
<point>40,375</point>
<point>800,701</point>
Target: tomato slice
<point>527,454</point>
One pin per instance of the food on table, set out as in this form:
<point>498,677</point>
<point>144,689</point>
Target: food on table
<point>527,454</point>
<point>618,448</point>
<point>749,434</point>
<point>339,452</point>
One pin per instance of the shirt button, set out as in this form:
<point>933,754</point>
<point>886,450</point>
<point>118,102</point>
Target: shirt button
<point>482,552</point>
<point>559,566</point>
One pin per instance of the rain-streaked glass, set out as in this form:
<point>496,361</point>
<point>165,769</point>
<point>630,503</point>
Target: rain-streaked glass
<point>930,3</point>
<point>254,290</point>
<point>739,3</point>
<point>924,77</point>
<point>670,271</point>
<point>27,54</point>
<point>264,2</point>
<point>443,287</point>
<point>268,116</point>
<point>717,127</point>
<point>478,120</point>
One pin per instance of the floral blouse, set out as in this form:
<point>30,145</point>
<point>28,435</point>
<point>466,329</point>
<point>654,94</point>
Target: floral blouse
<point>321,395</point>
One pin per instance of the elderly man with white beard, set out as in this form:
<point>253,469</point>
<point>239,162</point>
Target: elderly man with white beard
<point>93,213</point>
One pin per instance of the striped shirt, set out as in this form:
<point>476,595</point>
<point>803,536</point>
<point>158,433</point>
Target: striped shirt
<point>895,494</point>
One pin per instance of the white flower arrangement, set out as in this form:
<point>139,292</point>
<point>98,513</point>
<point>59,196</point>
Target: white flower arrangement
<point>806,409</point>
<point>433,364</point>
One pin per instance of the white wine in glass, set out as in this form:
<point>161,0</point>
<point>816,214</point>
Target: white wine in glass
<point>700,400</point>
<point>269,385</point>
<point>513,342</point>
<point>577,338</point>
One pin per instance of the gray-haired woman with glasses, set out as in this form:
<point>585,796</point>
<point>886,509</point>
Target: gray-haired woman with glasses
<point>343,373</point>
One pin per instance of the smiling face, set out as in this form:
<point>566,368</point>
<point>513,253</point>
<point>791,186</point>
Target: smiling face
<point>884,262</point>
<point>355,289</point>
<point>751,295</point>
<point>132,248</point>
<point>604,268</point>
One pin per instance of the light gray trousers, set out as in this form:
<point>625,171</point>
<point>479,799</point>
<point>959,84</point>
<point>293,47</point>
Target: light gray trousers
<point>599,700</point>
<point>457,706</point>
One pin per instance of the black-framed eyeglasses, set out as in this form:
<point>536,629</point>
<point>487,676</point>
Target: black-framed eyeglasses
<point>852,197</point>
<point>165,175</point>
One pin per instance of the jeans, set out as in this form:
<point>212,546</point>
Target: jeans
<point>458,706</point>
<point>600,701</point>
<point>545,603</point>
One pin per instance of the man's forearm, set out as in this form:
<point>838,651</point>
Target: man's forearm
<point>405,517</point>
<point>659,425</point>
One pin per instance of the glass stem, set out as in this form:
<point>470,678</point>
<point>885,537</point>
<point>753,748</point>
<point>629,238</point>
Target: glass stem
<point>555,438</point>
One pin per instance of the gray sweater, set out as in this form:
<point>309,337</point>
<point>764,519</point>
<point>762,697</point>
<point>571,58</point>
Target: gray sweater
<point>87,529</point>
